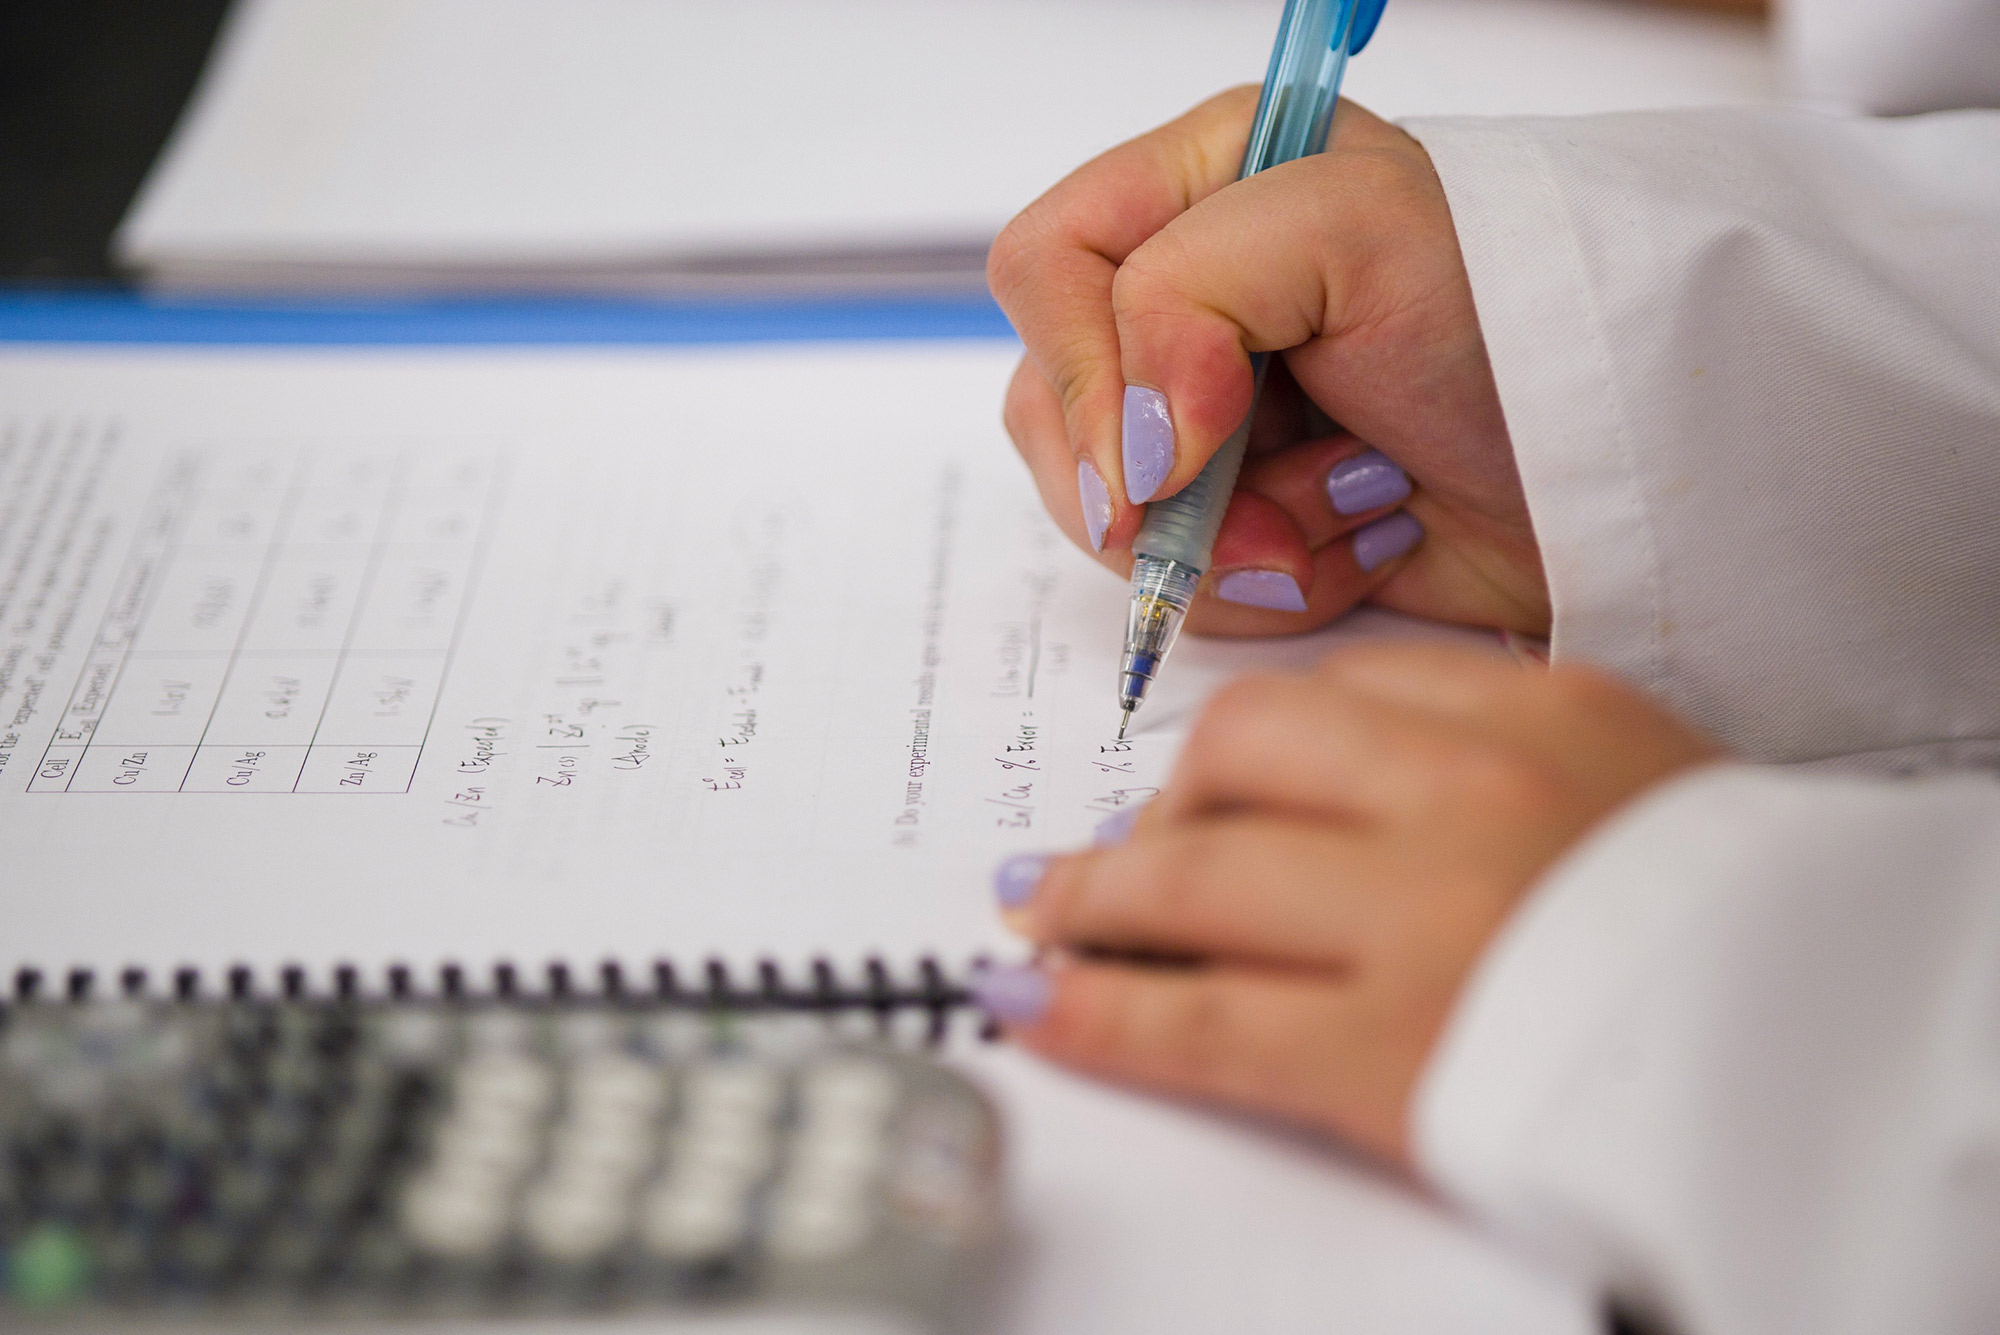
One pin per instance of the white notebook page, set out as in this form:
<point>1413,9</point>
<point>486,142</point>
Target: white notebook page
<point>438,558</point>
<point>417,657</point>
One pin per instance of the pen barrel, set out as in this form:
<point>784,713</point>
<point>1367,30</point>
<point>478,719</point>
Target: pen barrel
<point>1182,527</point>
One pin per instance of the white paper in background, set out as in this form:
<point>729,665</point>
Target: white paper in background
<point>422,656</point>
<point>601,139</point>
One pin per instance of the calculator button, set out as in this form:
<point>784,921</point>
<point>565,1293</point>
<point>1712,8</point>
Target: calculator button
<point>413,1038</point>
<point>619,1153</point>
<point>122,1259</point>
<point>849,1088</point>
<point>586,1032</point>
<point>242,1191</point>
<point>202,1252</point>
<point>499,1032</point>
<point>291,1254</point>
<point>818,1223</point>
<point>837,1156</point>
<point>696,1215</point>
<point>505,1085</point>
<point>575,1217</point>
<point>615,1089</point>
<point>732,1091</point>
<point>455,1216</point>
<point>494,1153</point>
<point>742,1151</point>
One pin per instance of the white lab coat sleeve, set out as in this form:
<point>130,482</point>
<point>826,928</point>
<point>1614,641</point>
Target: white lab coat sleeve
<point>1737,1059</point>
<point>1893,56</point>
<point>1750,365</point>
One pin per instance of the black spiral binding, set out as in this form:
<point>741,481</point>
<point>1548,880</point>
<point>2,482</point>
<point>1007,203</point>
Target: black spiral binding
<point>878,993</point>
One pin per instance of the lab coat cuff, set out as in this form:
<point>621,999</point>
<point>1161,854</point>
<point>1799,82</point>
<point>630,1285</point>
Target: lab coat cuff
<point>1536,1026</point>
<point>1545,335</point>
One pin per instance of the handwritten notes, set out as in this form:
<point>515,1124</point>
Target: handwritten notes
<point>493,655</point>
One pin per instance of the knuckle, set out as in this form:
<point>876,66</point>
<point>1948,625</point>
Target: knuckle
<point>1140,284</point>
<point>1085,893</point>
<point>1057,899</point>
<point>1019,256</point>
<point>1197,1036</point>
<point>1095,1020</point>
<point>1500,782</point>
<point>1011,258</point>
<point>1180,882</point>
<point>1151,286</point>
<point>1234,710</point>
<point>1071,376</point>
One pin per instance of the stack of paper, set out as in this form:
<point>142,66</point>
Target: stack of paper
<point>670,145</point>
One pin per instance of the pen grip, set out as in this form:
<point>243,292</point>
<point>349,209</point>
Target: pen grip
<point>1182,527</point>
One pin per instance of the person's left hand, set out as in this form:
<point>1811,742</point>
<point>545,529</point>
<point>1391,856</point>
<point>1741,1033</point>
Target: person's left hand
<point>1329,860</point>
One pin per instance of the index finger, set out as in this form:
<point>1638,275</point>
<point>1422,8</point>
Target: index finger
<point>1052,269</point>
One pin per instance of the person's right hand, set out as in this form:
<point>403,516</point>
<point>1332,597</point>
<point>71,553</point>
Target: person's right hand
<point>1153,268</point>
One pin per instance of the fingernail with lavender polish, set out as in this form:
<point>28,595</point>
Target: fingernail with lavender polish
<point>1016,879</point>
<point>1096,503</point>
<point>1012,994</point>
<point>1386,539</point>
<point>1116,828</point>
<point>1261,588</point>
<point>1368,481</point>
<point>1148,442</point>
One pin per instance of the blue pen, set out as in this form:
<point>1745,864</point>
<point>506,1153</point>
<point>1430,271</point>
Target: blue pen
<point>1172,551</point>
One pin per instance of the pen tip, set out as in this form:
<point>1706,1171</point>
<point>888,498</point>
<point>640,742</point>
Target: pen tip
<point>1124,722</point>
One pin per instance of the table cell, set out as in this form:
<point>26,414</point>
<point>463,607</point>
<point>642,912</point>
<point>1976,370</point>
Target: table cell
<point>307,603</point>
<point>87,701</point>
<point>435,516</point>
<point>272,701</point>
<point>344,517</point>
<point>446,467</point>
<point>201,602</point>
<point>355,469</point>
<point>413,603</point>
<point>233,520</point>
<point>58,767</point>
<point>132,769</point>
<point>245,769</point>
<point>359,769</point>
<point>250,468</point>
<point>161,700</point>
<point>382,700</point>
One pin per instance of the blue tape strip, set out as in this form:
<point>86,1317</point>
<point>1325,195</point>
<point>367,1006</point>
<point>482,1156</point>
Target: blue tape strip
<point>58,316</point>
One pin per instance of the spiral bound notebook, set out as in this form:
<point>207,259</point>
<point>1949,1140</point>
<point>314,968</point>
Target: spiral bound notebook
<point>727,674</point>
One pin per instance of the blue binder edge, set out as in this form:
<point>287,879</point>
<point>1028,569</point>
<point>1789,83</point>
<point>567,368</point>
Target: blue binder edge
<point>70,316</point>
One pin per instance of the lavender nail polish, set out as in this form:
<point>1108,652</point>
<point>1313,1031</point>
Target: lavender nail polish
<point>1016,879</point>
<point>1261,588</point>
<point>1386,539</point>
<point>1012,994</point>
<point>1148,442</point>
<point>1368,481</point>
<point>1115,828</point>
<point>1096,503</point>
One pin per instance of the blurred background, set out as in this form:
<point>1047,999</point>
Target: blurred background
<point>662,146</point>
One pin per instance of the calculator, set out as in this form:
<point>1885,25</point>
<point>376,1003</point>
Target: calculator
<point>253,1162</point>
